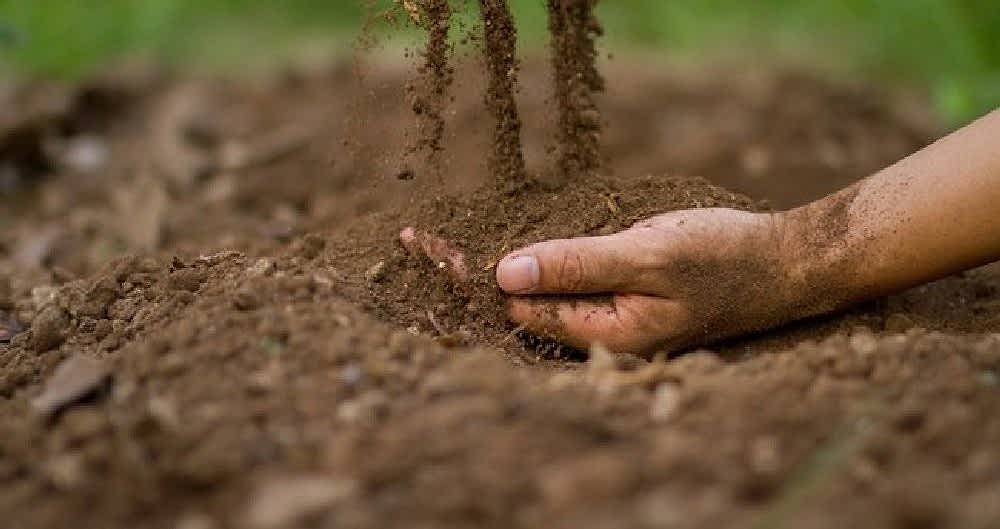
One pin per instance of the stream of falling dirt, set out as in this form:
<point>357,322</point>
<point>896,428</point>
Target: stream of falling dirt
<point>574,29</point>
<point>429,97</point>
<point>500,51</point>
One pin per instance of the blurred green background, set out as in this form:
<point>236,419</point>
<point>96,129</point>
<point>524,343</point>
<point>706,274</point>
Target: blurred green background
<point>949,47</point>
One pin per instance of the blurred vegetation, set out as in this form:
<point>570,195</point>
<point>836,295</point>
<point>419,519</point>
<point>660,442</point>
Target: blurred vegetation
<point>950,46</point>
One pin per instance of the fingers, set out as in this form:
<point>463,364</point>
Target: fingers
<point>587,265</point>
<point>624,324</point>
<point>440,251</point>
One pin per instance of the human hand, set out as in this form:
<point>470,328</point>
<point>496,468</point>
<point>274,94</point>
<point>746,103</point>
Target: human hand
<point>677,280</point>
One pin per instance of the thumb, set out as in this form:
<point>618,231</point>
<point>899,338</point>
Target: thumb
<point>588,265</point>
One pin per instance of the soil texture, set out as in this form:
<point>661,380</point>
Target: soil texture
<point>196,332</point>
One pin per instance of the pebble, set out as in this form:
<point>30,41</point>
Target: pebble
<point>44,295</point>
<point>352,375</point>
<point>290,501</point>
<point>864,343</point>
<point>65,471</point>
<point>376,272</point>
<point>666,402</point>
<point>49,329</point>
<point>262,268</point>
<point>73,381</point>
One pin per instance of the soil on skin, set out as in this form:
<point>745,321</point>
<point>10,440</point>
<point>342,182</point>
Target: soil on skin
<point>414,292</point>
<point>258,379</point>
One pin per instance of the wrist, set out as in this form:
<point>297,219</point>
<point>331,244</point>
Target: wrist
<point>819,262</point>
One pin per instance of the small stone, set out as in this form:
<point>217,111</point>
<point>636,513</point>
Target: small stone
<point>601,360</point>
<point>666,402</point>
<point>86,153</point>
<point>367,409</point>
<point>65,471</point>
<point>164,413</point>
<point>49,329</point>
<point>352,375</point>
<point>73,381</point>
<point>290,501</point>
<point>262,268</point>
<point>864,343</point>
<point>376,272</point>
<point>43,296</point>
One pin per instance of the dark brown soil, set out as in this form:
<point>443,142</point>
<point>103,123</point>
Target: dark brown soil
<point>574,29</point>
<point>414,292</point>
<point>259,379</point>
<point>430,96</point>
<point>500,56</point>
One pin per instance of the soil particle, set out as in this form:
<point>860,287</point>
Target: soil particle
<point>76,379</point>
<point>49,329</point>
<point>293,500</point>
<point>574,29</point>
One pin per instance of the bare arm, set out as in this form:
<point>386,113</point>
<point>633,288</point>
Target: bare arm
<point>689,278</point>
<point>933,214</point>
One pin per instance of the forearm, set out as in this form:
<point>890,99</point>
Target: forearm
<point>931,215</point>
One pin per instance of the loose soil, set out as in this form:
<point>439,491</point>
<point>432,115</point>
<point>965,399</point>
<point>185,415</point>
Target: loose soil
<point>213,246</point>
<point>430,96</point>
<point>574,29</point>
<point>500,56</point>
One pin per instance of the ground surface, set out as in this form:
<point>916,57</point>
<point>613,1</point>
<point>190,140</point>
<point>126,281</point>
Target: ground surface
<point>259,368</point>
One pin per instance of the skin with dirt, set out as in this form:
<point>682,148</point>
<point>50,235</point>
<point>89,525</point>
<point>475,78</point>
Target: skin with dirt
<point>264,371</point>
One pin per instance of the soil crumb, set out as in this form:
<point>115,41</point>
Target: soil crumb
<point>574,29</point>
<point>500,51</point>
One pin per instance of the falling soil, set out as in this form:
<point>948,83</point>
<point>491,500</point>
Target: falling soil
<point>429,96</point>
<point>257,369</point>
<point>500,54</point>
<point>574,28</point>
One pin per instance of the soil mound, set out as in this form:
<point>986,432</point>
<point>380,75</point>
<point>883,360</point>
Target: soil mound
<point>416,293</point>
<point>246,383</point>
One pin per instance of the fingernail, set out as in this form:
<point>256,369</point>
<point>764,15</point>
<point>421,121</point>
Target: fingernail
<point>518,274</point>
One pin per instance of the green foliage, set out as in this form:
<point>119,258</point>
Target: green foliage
<point>948,45</point>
